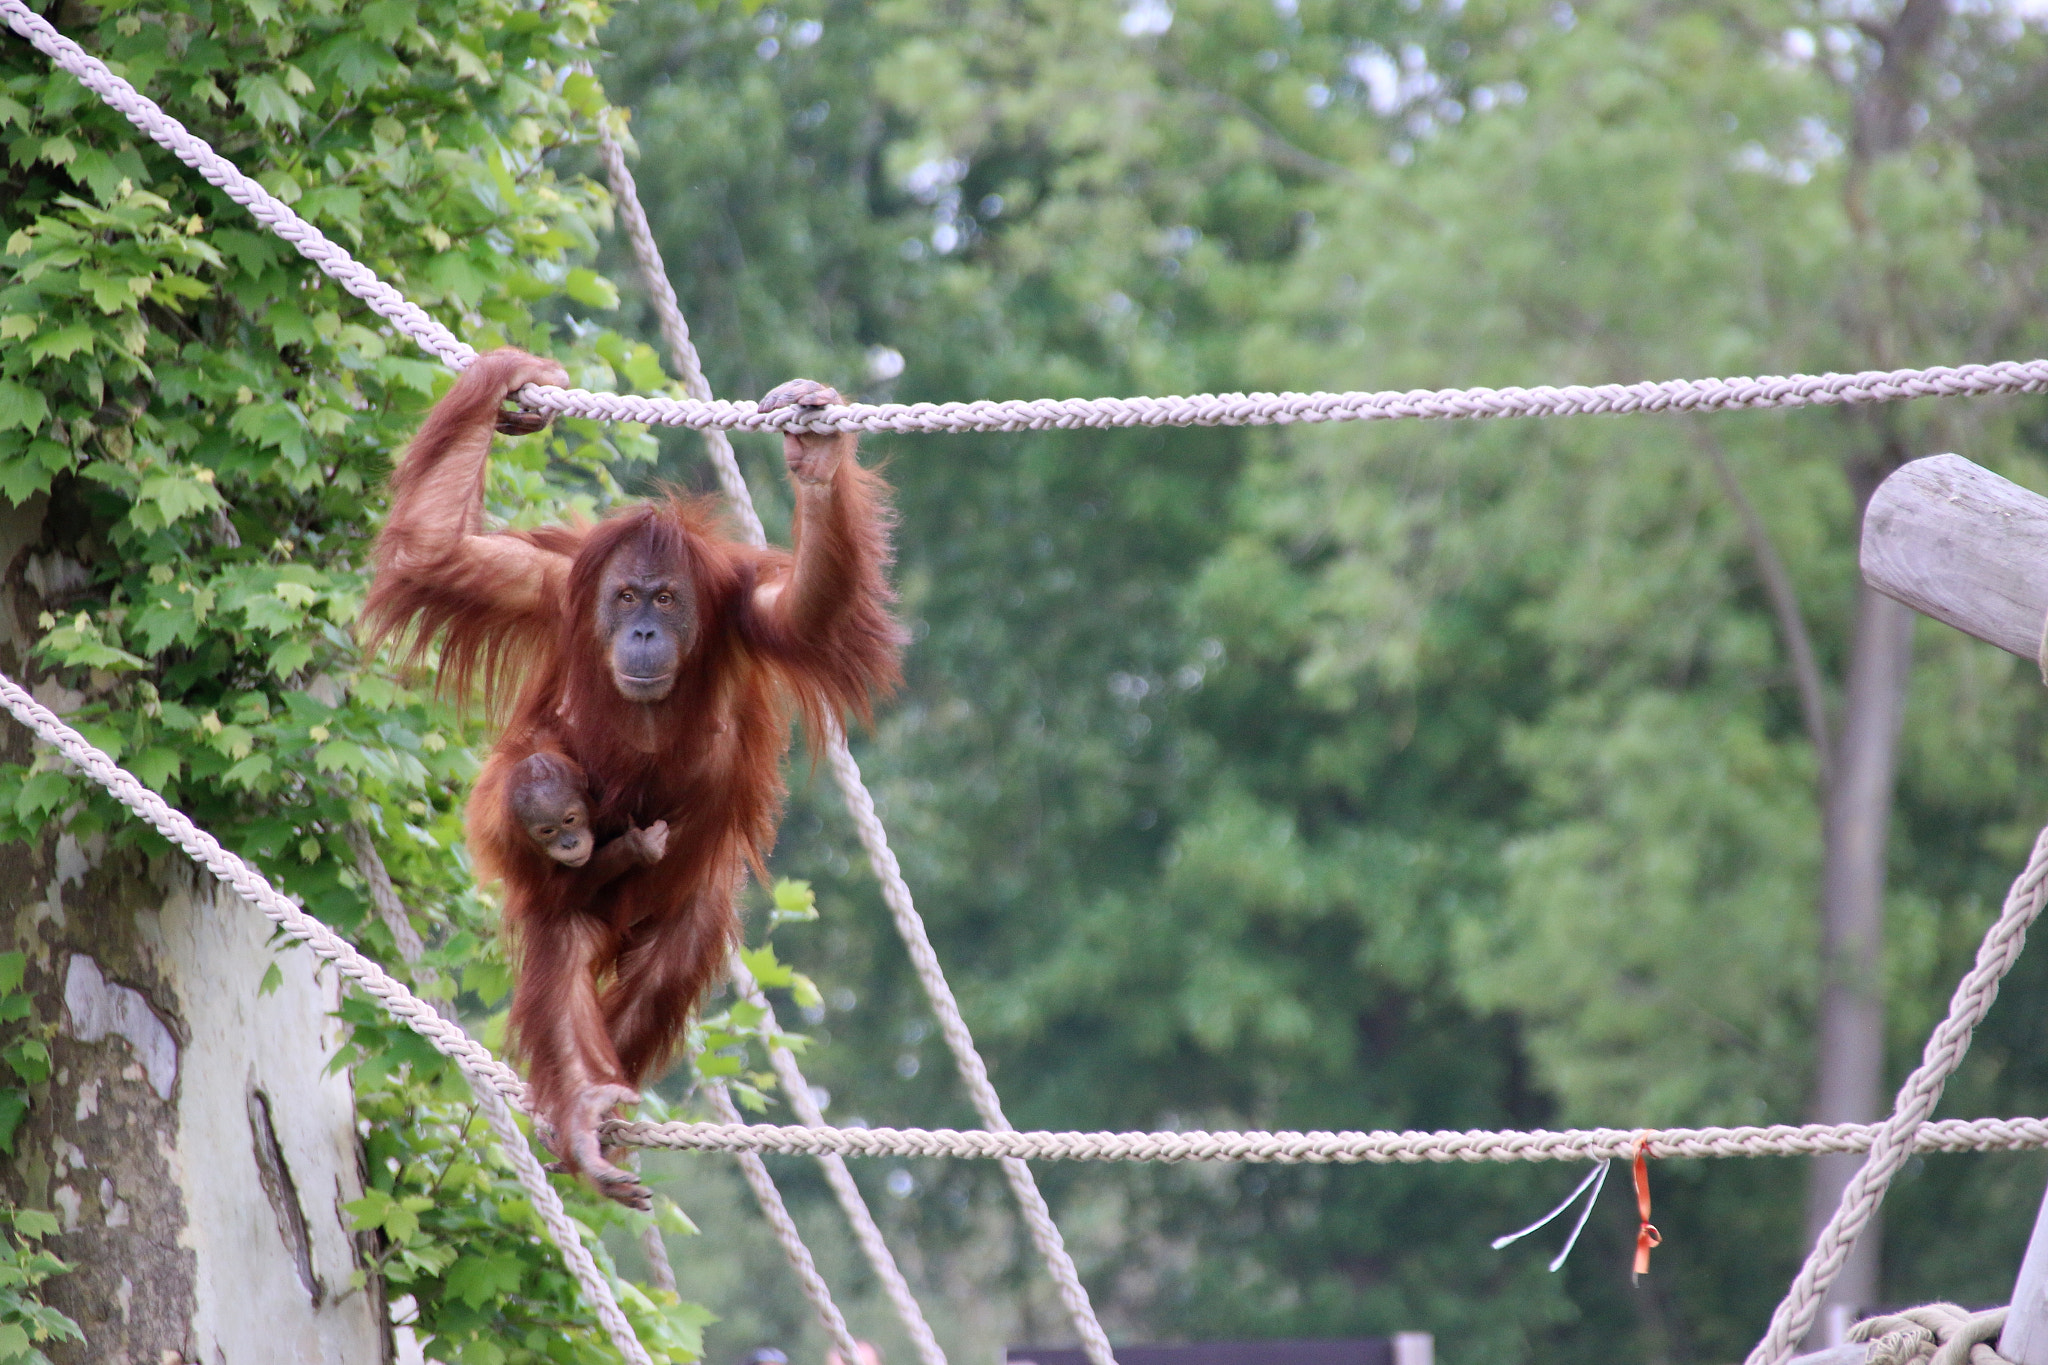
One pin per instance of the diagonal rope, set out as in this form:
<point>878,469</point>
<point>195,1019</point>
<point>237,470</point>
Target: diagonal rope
<point>492,1081</point>
<point>777,1213</point>
<point>1045,1234</point>
<point>675,331</point>
<point>865,1230</point>
<point>1893,1142</point>
<point>407,316</point>
<point>1031,414</point>
<point>1906,1131</point>
<point>1893,1139</point>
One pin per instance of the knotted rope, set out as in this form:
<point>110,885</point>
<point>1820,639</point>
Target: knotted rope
<point>1936,1333</point>
<point>1890,1145</point>
<point>1893,1143</point>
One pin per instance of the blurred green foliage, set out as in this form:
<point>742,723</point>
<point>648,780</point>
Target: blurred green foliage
<point>1411,775</point>
<point>1420,775</point>
<point>203,423</point>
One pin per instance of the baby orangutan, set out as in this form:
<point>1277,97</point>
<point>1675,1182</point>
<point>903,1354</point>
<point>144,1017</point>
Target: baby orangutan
<point>547,799</point>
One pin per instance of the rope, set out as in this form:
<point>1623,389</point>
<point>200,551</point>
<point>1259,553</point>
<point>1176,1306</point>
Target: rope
<point>1281,409</point>
<point>675,331</point>
<point>1938,1333</point>
<point>1285,1148</point>
<point>1032,414</point>
<point>1890,1145</point>
<point>492,1081</point>
<point>862,1219</point>
<point>218,171</point>
<point>1045,1234</point>
<point>777,1213</point>
<point>1893,1143</point>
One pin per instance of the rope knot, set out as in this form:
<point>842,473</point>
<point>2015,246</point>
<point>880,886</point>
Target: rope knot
<point>1935,1333</point>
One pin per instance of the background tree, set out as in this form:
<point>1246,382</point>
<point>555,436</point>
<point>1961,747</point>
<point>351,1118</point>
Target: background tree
<point>1423,775</point>
<point>193,428</point>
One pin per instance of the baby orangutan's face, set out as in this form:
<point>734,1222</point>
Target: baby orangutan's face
<point>563,834</point>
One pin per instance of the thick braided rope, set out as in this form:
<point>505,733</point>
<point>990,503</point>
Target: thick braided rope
<point>492,1081</point>
<point>1937,1333</point>
<point>1034,414</point>
<point>218,171</point>
<point>865,1230</point>
<point>1349,1148</point>
<point>675,331</point>
<point>1045,1234</point>
<point>1893,1142</point>
<point>770,1199</point>
<point>1281,409</point>
<point>564,1233</point>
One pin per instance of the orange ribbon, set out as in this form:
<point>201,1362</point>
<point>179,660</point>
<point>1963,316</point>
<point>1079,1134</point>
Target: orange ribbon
<point>1647,1235</point>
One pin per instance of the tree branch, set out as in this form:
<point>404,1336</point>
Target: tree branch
<point>1784,600</point>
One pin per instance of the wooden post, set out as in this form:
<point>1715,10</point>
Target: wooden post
<point>2025,1338</point>
<point>1955,541</point>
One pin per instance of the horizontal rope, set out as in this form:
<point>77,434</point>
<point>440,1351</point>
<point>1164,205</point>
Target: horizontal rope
<point>1029,414</point>
<point>1281,409</point>
<point>1378,1148</point>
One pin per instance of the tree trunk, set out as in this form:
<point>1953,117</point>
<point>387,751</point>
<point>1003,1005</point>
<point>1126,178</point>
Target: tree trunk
<point>1849,1083</point>
<point>1849,1087</point>
<point>188,1140</point>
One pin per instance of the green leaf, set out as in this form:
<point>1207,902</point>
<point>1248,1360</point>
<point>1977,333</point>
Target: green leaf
<point>21,406</point>
<point>795,903</point>
<point>36,1223</point>
<point>61,344</point>
<point>587,286</point>
<point>177,496</point>
<point>28,1059</point>
<point>13,966</point>
<point>155,765</point>
<point>476,1280</point>
<point>491,981</point>
<point>41,794</point>
<point>13,1109</point>
<point>249,771</point>
<point>388,20</point>
<point>669,1217</point>
<point>341,755</point>
<point>761,962</point>
<point>267,101</point>
<point>289,657</point>
<point>272,979</point>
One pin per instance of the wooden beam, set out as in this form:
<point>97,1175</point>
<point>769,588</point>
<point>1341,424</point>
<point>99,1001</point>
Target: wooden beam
<point>2025,1338</point>
<point>1955,541</point>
